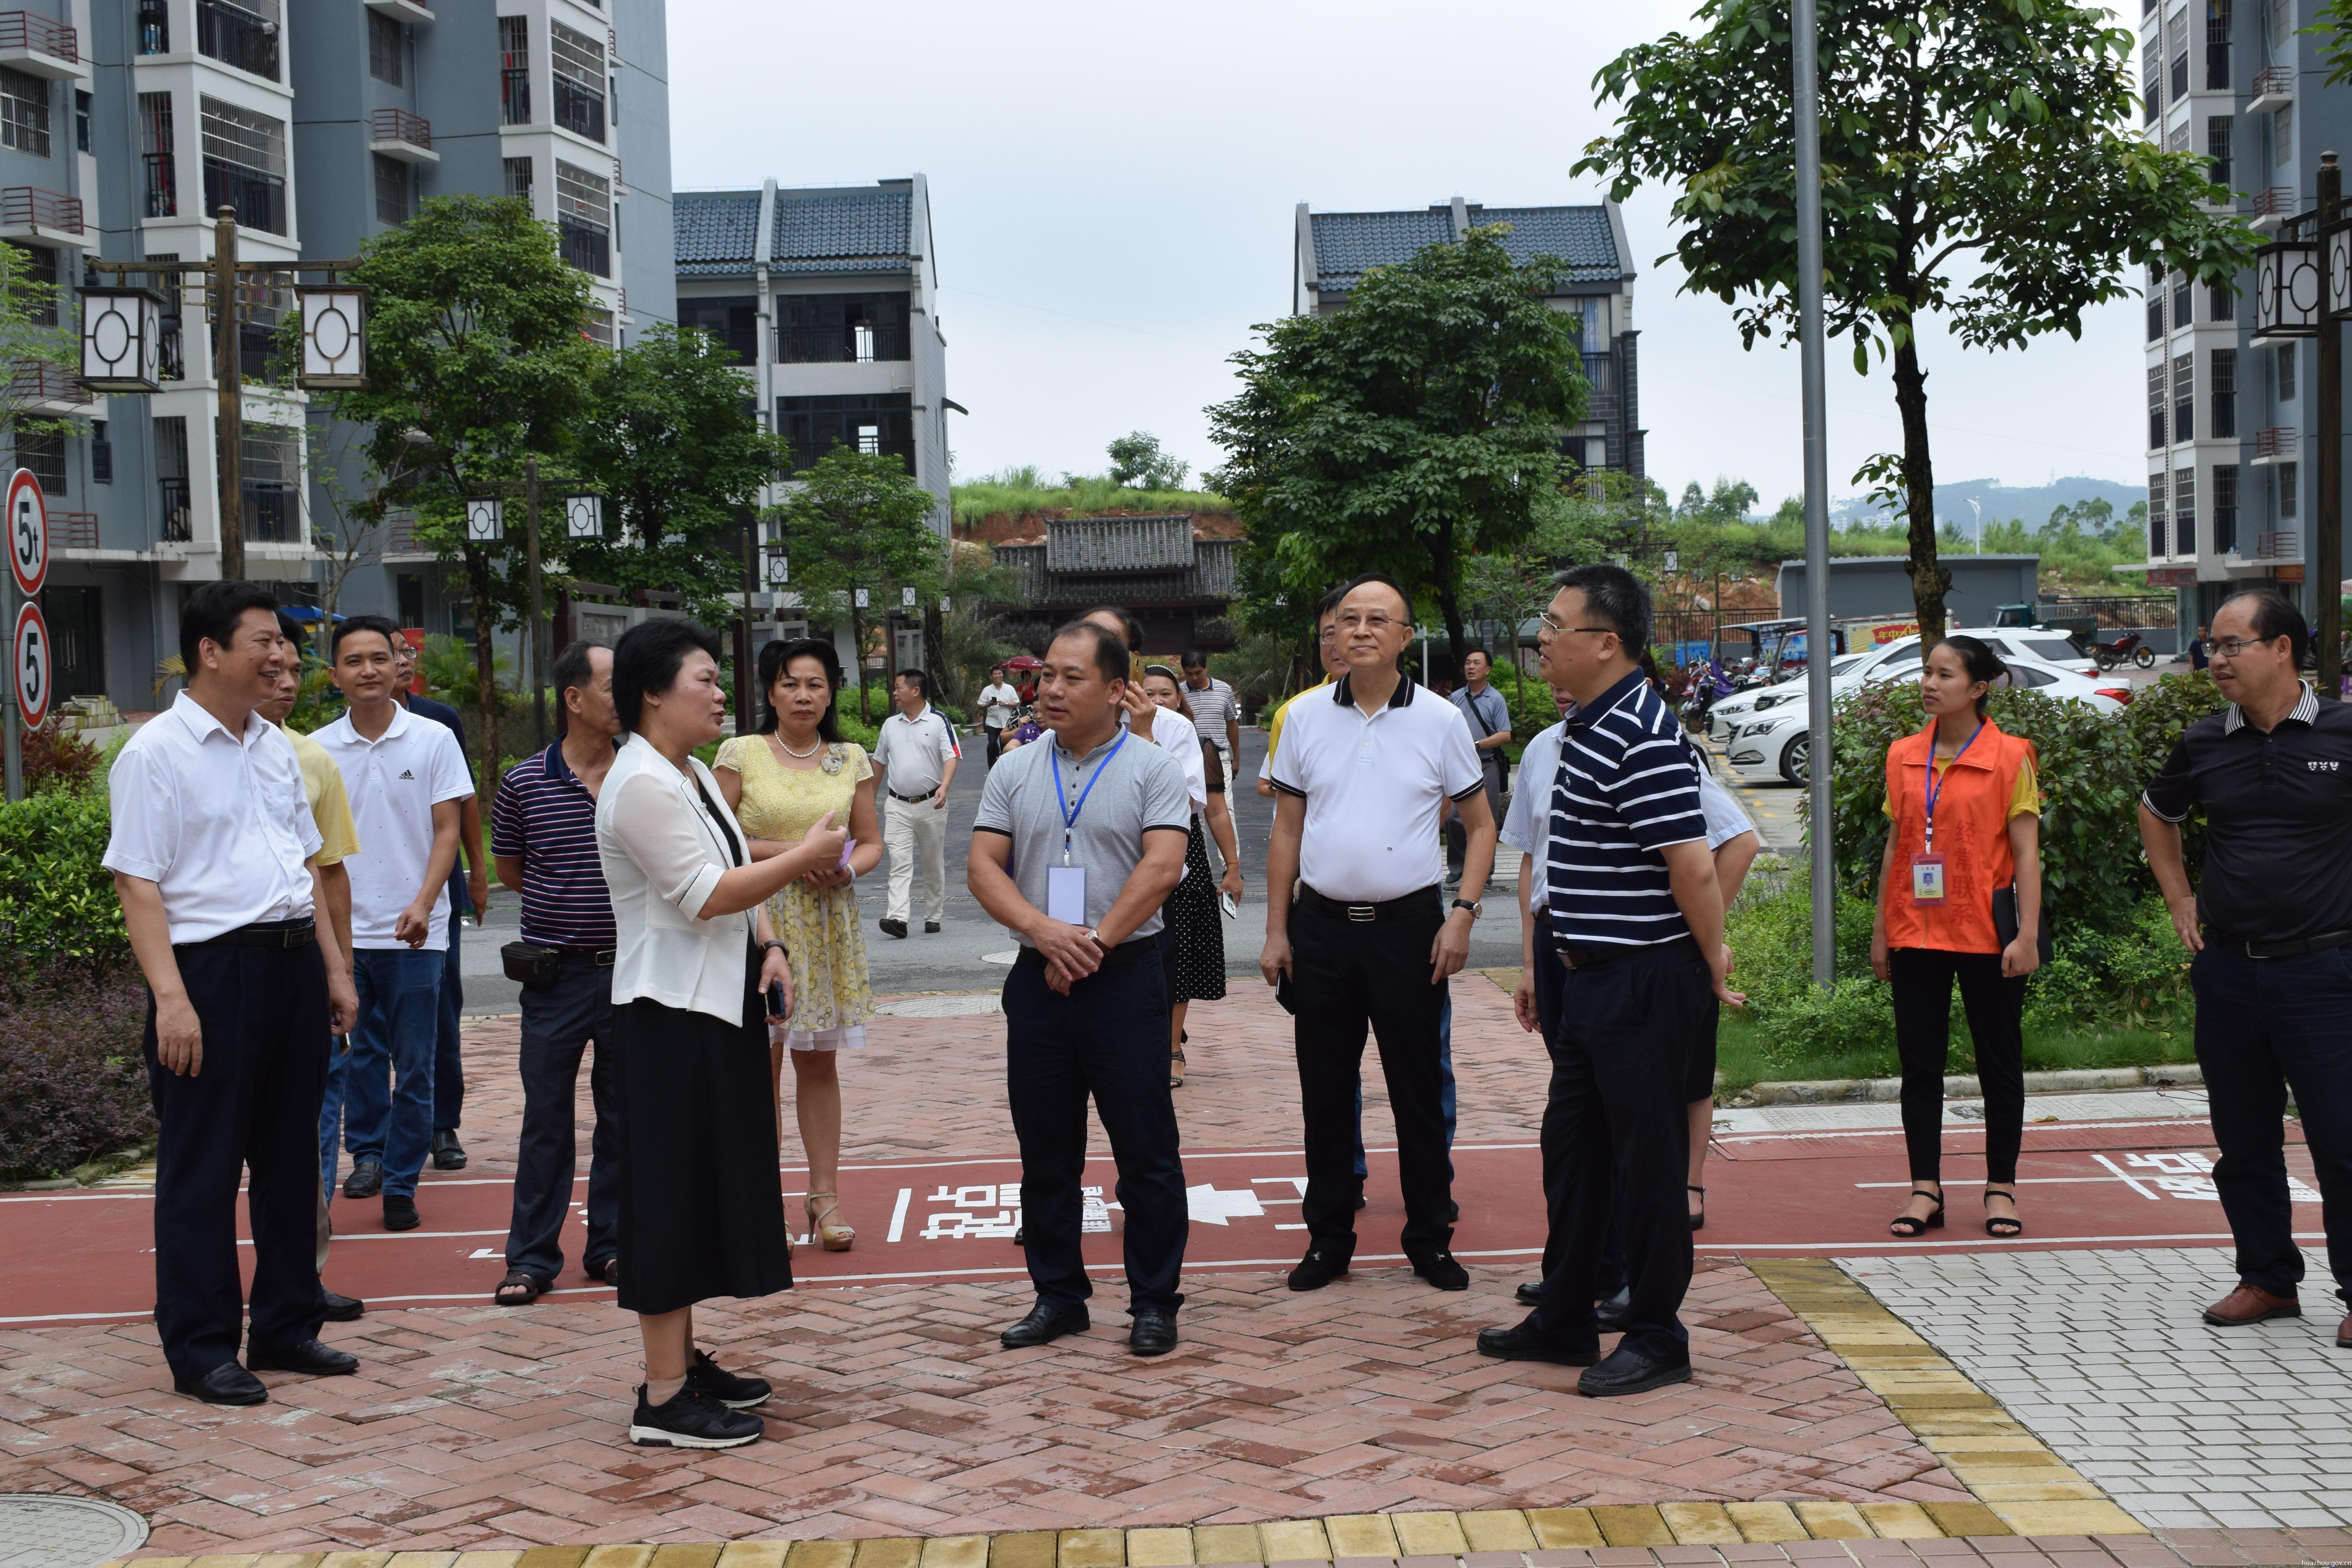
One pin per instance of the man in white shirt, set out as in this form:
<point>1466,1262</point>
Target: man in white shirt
<point>213,850</point>
<point>915,756</point>
<point>1216,711</point>
<point>1490,718</point>
<point>999,702</point>
<point>1361,778</point>
<point>405,777</point>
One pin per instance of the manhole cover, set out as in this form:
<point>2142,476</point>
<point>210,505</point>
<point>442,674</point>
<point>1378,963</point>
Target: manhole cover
<point>42,1532</point>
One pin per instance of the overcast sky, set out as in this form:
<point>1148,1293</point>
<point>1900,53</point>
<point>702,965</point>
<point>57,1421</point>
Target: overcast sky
<point>1113,189</point>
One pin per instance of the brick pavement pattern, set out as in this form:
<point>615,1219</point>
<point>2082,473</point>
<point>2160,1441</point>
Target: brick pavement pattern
<point>2103,1355</point>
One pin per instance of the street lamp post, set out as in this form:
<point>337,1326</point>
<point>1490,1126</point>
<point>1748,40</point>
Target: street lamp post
<point>485,520</point>
<point>2303,289</point>
<point>1806,62</point>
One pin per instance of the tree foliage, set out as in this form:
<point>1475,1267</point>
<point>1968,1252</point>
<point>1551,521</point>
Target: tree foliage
<point>855,520</point>
<point>1408,433</point>
<point>1976,162</point>
<point>1136,460</point>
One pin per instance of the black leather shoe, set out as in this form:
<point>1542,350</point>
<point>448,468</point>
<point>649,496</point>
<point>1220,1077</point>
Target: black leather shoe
<point>307,1355</point>
<point>931,928</point>
<point>1610,1313</point>
<point>366,1179</point>
<point>343,1309</point>
<point>1530,1293</point>
<point>1629,1372</point>
<point>400,1214</point>
<point>1320,1267</point>
<point>448,1155</point>
<point>227,1383</point>
<point>1046,1321</point>
<point>1439,1269</point>
<point>893,928</point>
<point>1523,1343</point>
<point>1153,1332</point>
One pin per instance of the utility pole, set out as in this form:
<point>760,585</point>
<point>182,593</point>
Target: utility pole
<point>2328,543</point>
<point>538,611</point>
<point>228,374</point>
<point>1807,72</point>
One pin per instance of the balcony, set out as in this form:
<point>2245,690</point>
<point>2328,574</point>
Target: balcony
<point>271,514</point>
<point>2285,545</point>
<point>162,185</point>
<point>179,517</point>
<point>2272,205</point>
<point>73,531</point>
<point>401,542</point>
<point>514,96</point>
<point>2272,88</point>
<point>259,199</point>
<point>589,249</point>
<point>236,36</point>
<point>396,134</point>
<point>414,11</point>
<point>39,47</point>
<point>36,382</point>
<point>2274,444</point>
<point>579,110</point>
<point>28,212</point>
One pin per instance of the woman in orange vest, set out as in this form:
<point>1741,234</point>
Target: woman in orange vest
<point>1965,810</point>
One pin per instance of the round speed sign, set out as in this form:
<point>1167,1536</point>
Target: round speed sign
<point>28,664</point>
<point>28,533</point>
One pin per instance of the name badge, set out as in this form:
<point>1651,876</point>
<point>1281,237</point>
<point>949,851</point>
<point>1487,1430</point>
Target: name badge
<point>1927,879</point>
<point>1066,894</point>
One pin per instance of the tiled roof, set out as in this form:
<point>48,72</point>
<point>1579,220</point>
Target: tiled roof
<point>714,231</point>
<point>1208,577</point>
<point>1349,245</point>
<point>836,227</point>
<point>1101,544</point>
<point>1578,236</point>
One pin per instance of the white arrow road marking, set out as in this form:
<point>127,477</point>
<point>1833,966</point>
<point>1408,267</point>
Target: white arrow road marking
<point>1208,1205</point>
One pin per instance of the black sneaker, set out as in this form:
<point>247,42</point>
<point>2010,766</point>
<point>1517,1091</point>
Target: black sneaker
<point>366,1179</point>
<point>893,928</point>
<point>692,1420</point>
<point>706,1377</point>
<point>931,928</point>
<point>400,1214</point>
<point>448,1155</point>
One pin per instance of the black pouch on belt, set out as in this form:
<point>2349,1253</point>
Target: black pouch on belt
<point>529,964</point>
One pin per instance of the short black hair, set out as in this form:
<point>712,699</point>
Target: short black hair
<point>212,612</point>
<point>377,624</point>
<point>1979,660</point>
<point>1327,604</point>
<point>1133,636</point>
<point>1616,597</point>
<point>777,657</point>
<point>1109,651</point>
<point>571,667</point>
<point>922,682</point>
<point>290,629</point>
<point>1385,580</point>
<point>1194,660</point>
<point>648,658</point>
<point>2274,616</point>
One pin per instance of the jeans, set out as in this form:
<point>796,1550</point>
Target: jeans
<point>448,1067</point>
<point>2265,1026</point>
<point>1445,1093</point>
<point>387,1079</point>
<point>559,1020</point>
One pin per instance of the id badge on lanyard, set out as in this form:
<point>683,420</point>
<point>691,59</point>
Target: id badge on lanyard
<point>1928,885</point>
<point>1928,879</point>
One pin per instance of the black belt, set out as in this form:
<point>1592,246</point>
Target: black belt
<point>601,957</point>
<point>1421,902</point>
<point>263,933</point>
<point>2319,943</point>
<point>1581,958</point>
<point>915,799</point>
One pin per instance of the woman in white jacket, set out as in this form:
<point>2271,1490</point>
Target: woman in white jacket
<point>701,1209</point>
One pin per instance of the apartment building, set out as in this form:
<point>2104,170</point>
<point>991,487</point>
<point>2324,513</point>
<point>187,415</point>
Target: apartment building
<point>1333,250</point>
<point>2229,440</point>
<point>125,123</point>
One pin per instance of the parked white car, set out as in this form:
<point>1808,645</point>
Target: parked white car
<point>1777,744</point>
<point>1895,660</point>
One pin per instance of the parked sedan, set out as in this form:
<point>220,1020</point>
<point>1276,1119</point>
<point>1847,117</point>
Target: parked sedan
<point>1899,660</point>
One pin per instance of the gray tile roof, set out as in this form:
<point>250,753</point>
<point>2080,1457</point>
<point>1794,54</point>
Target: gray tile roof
<point>1349,245</point>
<point>714,231</point>
<point>1205,576</point>
<point>833,229</point>
<point>1578,236</point>
<point>1103,544</point>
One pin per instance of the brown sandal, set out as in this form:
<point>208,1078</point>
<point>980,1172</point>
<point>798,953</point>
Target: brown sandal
<point>517,1289</point>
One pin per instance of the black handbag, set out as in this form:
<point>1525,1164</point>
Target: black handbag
<point>2004,921</point>
<point>528,963</point>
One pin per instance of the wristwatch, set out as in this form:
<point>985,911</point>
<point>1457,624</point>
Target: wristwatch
<point>779,946</point>
<point>1467,904</point>
<point>1095,936</point>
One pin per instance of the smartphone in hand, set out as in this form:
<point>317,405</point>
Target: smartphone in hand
<point>775,998</point>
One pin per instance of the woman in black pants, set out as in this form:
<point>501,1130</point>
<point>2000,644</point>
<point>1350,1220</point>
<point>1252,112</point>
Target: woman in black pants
<point>1965,808</point>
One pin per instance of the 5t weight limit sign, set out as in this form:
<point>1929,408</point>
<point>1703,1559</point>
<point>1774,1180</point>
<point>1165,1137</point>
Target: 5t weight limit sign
<point>28,664</point>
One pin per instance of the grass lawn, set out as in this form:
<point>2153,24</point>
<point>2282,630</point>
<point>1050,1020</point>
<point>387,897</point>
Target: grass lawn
<point>1742,1056</point>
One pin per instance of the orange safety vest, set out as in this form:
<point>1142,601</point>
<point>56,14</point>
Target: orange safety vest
<point>1971,835</point>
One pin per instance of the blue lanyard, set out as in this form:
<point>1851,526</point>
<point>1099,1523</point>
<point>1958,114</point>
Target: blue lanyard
<point>1935,783</point>
<point>1069,812</point>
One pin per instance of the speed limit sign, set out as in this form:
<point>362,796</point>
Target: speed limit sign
<point>29,664</point>
<point>28,533</point>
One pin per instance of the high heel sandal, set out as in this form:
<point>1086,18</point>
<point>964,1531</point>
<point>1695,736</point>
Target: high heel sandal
<point>1907,1225</point>
<point>831,1235</point>
<point>1698,1220</point>
<point>2003,1226</point>
<point>1176,1068</point>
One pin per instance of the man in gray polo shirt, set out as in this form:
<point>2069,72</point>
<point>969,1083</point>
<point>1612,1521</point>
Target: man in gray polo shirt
<point>1077,843</point>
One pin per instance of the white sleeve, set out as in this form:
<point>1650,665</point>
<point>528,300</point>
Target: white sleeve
<point>143,797</point>
<point>1174,733</point>
<point>1725,819</point>
<point>649,826</point>
<point>1458,760</point>
<point>880,756</point>
<point>451,779</point>
<point>1534,781</point>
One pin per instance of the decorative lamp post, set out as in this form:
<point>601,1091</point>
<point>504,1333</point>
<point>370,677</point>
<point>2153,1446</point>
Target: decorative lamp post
<point>121,340</point>
<point>334,342</point>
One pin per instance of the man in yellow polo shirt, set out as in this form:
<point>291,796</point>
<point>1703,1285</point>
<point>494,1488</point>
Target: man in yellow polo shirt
<point>339,840</point>
<point>1327,648</point>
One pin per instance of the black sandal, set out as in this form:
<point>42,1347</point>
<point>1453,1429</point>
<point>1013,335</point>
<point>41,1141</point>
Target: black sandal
<point>1908,1225</point>
<point>1698,1220</point>
<point>517,1289</point>
<point>2002,1225</point>
<point>1176,1068</point>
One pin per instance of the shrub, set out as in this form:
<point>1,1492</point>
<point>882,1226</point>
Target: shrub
<point>1533,707</point>
<point>58,909</point>
<point>58,761</point>
<point>72,1082</point>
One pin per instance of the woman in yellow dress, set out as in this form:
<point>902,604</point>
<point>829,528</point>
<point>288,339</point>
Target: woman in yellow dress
<point>778,782</point>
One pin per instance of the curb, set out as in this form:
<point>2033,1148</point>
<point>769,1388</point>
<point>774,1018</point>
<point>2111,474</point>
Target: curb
<point>2073,1080</point>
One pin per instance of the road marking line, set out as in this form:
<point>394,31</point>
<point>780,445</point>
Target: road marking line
<point>899,1214</point>
<point>2127,1181</point>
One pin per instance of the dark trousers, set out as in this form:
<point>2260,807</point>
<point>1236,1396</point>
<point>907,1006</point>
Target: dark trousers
<point>1107,1039</point>
<point>995,744</point>
<point>252,1105</point>
<point>1616,1125</point>
<point>1922,980</point>
<point>1347,976</point>
<point>2265,1026</point>
<point>559,1021</point>
<point>448,1067</point>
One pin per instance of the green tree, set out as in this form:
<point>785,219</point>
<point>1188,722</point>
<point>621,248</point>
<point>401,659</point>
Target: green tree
<point>1136,460</point>
<point>476,359</point>
<point>858,521</point>
<point>1408,433</point>
<point>1978,160</point>
<point>669,442</point>
<point>31,338</point>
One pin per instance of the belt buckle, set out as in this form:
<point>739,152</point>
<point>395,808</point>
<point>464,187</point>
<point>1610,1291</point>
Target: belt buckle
<point>1363,914</point>
<point>606,957</point>
<point>294,936</point>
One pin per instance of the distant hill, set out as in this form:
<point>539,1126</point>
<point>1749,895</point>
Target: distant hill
<point>2033,505</point>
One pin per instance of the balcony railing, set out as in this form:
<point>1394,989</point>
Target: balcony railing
<point>805,454</point>
<point>589,249</point>
<point>2285,545</point>
<point>840,345</point>
<point>2271,82</point>
<point>37,381</point>
<point>162,185</point>
<point>29,206</point>
<point>73,530</point>
<point>400,539</point>
<point>236,36</point>
<point>271,516</point>
<point>399,125</point>
<point>259,199</point>
<point>2274,201</point>
<point>179,520</point>
<point>40,35</point>
<point>2275,441</point>
<point>578,108</point>
<point>514,96</point>
<point>154,26</point>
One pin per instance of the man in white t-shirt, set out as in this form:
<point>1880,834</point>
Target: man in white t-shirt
<point>405,777</point>
<point>916,755</point>
<point>999,702</point>
<point>1216,709</point>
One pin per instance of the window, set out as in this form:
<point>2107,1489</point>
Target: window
<point>171,357</point>
<point>2217,46</point>
<point>244,165</point>
<point>2183,294</point>
<point>2184,398</point>
<point>882,423</point>
<point>24,113</point>
<point>2151,80</point>
<point>2282,22</point>
<point>599,327</point>
<point>268,473</point>
<point>2176,32</point>
<point>583,218</point>
<point>519,177</point>
<point>2289,487</point>
<point>385,47</point>
<point>2184,512</point>
<point>155,138</point>
<point>81,121</point>
<point>2283,135</point>
<point>2222,391</point>
<point>36,272</point>
<point>244,35</point>
<point>2156,407</point>
<point>2222,302</point>
<point>514,71</point>
<point>733,321</point>
<point>45,457</point>
<point>2284,357</point>
<point>2157,531</point>
<point>154,26</point>
<point>825,328</point>
<point>392,187</point>
<point>2225,509</point>
<point>578,61</point>
<point>101,454</point>
<point>2219,129</point>
<point>2154,303</point>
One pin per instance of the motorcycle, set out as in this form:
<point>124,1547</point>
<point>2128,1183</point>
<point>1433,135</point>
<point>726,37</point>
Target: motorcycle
<point>1709,683</point>
<point>2129,646</point>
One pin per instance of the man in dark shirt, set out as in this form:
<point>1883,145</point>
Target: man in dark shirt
<point>543,837</point>
<point>2270,926</point>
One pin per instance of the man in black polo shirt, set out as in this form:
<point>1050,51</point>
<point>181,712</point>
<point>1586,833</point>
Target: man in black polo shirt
<point>2270,926</point>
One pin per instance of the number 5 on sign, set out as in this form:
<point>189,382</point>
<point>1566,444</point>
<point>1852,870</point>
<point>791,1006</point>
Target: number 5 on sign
<point>28,533</point>
<point>30,665</point>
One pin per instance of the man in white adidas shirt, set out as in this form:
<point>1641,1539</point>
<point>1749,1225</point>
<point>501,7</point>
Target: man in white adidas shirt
<point>405,776</point>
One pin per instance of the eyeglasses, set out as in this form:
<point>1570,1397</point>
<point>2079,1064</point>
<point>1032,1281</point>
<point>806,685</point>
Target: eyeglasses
<point>2231,648</point>
<point>1554,624</point>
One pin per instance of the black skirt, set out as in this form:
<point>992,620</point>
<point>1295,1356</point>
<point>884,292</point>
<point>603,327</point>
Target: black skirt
<point>702,1207</point>
<point>1191,912</point>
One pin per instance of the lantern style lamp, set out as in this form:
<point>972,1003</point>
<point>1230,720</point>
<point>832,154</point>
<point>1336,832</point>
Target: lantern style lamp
<point>2336,255</point>
<point>121,339</point>
<point>2287,289</point>
<point>334,347</point>
<point>584,517</point>
<point>485,522</point>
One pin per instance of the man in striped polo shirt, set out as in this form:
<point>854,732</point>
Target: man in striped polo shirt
<point>1638,920</point>
<point>543,840</point>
